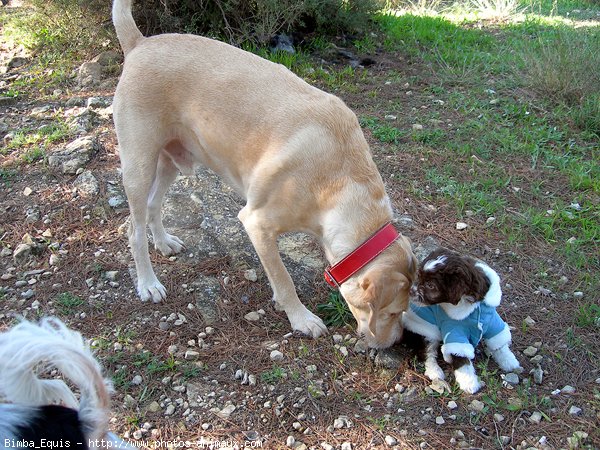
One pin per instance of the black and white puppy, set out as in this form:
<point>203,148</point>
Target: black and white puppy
<point>45,411</point>
<point>454,302</point>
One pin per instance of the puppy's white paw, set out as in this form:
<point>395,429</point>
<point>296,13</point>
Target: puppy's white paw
<point>467,379</point>
<point>154,291</point>
<point>307,323</point>
<point>507,360</point>
<point>169,245</point>
<point>433,371</point>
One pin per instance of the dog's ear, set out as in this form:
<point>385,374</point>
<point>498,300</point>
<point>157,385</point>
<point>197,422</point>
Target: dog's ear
<point>466,282</point>
<point>370,297</point>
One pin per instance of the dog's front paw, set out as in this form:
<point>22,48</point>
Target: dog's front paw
<point>154,291</point>
<point>507,360</point>
<point>467,379</point>
<point>169,245</point>
<point>433,371</point>
<point>307,323</point>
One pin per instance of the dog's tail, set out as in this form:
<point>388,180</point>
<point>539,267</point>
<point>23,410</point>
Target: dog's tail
<point>127,31</point>
<point>29,348</point>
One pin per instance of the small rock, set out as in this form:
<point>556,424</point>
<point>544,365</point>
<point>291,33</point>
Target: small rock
<point>498,417</point>
<point>252,316</point>
<point>511,378</point>
<point>226,411</point>
<point>154,407</point>
<point>250,275</point>
<point>346,446</point>
<point>452,404</point>
<point>129,401</point>
<point>170,410</point>
<point>54,259</point>
<point>87,185</point>
<point>21,253</point>
<point>28,294</point>
<point>461,226</point>
<point>575,410</point>
<point>191,355</point>
<point>290,441</point>
<point>476,406</point>
<point>111,275</point>
<point>529,321</point>
<point>578,295</point>
<point>568,390</point>
<point>342,422</point>
<point>361,346</point>
<point>276,355</point>
<point>440,386</point>
<point>417,127</point>
<point>538,375</point>
<point>17,61</point>
<point>536,417</point>
<point>440,420</point>
<point>530,351</point>
<point>137,380</point>
<point>137,434</point>
<point>172,349</point>
<point>27,191</point>
<point>390,440</point>
<point>537,359</point>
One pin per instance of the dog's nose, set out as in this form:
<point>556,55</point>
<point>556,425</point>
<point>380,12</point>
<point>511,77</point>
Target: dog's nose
<point>414,291</point>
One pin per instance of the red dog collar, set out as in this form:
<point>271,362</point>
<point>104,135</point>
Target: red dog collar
<point>364,254</point>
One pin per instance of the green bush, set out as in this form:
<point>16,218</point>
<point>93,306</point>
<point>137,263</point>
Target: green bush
<point>239,21</point>
<point>85,26</point>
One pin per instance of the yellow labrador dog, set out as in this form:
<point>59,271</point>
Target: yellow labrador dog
<point>295,153</point>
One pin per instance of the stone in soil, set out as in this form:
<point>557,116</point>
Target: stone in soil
<point>276,355</point>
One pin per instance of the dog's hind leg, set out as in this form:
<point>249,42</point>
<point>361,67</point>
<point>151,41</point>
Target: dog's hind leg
<point>259,229</point>
<point>138,177</point>
<point>166,172</point>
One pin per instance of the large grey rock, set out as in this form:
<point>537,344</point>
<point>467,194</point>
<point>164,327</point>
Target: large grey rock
<point>75,155</point>
<point>89,74</point>
<point>202,211</point>
<point>425,247</point>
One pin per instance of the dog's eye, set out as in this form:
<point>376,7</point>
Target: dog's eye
<point>429,285</point>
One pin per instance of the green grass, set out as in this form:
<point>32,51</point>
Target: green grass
<point>6,176</point>
<point>480,195</point>
<point>33,154</point>
<point>335,312</point>
<point>68,303</point>
<point>272,376</point>
<point>588,315</point>
<point>382,131</point>
<point>36,139</point>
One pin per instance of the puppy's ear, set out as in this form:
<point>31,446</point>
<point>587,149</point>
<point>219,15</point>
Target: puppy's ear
<point>370,297</point>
